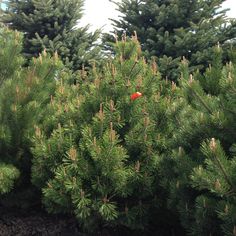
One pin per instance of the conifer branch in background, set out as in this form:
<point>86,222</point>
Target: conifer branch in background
<point>170,30</point>
<point>52,25</point>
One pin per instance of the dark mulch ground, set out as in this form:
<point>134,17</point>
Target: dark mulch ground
<point>35,223</point>
<point>38,223</point>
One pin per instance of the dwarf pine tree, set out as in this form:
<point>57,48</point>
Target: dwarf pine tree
<point>9,61</point>
<point>170,30</point>
<point>24,92</point>
<point>51,25</point>
<point>100,160</point>
<point>200,171</point>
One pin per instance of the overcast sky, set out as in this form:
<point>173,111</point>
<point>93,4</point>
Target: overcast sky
<point>97,13</point>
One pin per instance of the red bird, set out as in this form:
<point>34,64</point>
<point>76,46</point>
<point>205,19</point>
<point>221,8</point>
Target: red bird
<point>136,95</point>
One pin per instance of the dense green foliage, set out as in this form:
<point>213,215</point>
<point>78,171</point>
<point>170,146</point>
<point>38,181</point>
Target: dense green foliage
<point>51,25</point>
<point>10,59</point>
<point>23,95</point>
<point>7,177</point>
<point>92,151</point>
<point>100,162</point>
<point>118,160</point>
<point>201,181</point>
<point>171,30</point>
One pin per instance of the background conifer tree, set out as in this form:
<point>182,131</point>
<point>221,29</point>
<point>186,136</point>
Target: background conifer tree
<point>51,24</point>
<point>170,30</point>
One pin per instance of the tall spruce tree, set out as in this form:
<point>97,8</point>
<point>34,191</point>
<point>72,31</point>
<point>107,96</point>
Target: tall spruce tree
<point>51,24</point>
<point>172,29</point>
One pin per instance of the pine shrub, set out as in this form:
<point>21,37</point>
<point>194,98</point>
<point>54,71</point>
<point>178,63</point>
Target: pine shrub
<point>199,171</point>
<point>100,160</point>
<point>24,93</point>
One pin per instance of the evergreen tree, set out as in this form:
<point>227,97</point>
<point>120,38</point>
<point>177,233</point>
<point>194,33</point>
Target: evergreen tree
<point>9,173</point>
<point>121,146</point>
<point>100,160</point>
<point>24,92</point>
<point>171,30</point>
<point>9,61</point>
<point>10,43</point>
<point>199,171</point>
<point>51,25</point>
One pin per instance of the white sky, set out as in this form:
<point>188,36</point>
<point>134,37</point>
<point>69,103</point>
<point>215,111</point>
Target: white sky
<point>97,13</point>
